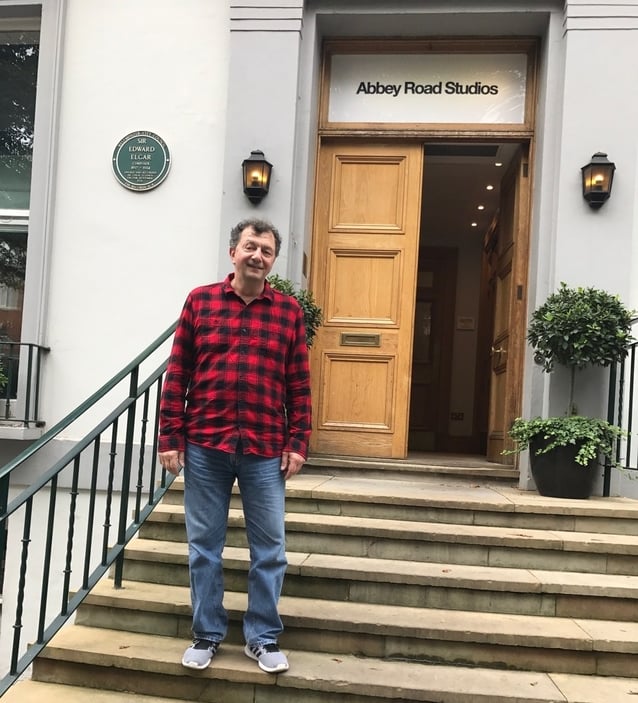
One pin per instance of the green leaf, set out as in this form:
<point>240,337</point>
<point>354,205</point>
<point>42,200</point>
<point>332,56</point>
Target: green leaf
<point>598,437</point>
<point>579,327</point>
<point>312,313</point>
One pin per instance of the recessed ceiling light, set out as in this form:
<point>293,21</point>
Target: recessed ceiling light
<point>498,163</point>
<point>489,187</point>
<point>481,207</point>
<point>474,224</point>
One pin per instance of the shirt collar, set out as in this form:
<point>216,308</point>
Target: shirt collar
<point>266,294</point>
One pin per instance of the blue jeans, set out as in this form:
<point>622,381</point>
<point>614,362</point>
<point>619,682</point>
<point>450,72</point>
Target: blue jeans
<point>209,475</point>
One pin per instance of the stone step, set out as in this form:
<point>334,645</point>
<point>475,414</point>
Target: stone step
<point>522,642</point>
<point>39,692</point>
<point>416,584</point>
<point>150,665</point>
<point>428,541</point>
<point>400,588</point>
<point>460,467</point>
<point>428,500</point>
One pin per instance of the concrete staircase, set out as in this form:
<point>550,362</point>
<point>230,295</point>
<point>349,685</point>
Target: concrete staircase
<point>402,586</point>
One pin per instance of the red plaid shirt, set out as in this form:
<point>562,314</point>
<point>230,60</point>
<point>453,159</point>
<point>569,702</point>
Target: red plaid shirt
<point>237,371</point>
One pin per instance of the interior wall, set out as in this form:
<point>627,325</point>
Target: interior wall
<point>467,307</point>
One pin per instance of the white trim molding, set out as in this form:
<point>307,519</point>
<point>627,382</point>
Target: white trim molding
<point>275,16</point>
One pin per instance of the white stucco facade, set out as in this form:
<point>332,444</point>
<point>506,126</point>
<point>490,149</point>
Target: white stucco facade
<point>108,268</point>
<point>103,236</point>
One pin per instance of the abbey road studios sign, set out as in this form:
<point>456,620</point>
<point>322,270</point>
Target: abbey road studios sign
<point>428,88</point>
<point>141,161</point>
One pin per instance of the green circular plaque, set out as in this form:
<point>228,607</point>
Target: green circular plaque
<point>141,161</point>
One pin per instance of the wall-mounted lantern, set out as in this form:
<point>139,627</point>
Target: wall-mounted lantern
<point>256,176</point>
<point>598,175</point>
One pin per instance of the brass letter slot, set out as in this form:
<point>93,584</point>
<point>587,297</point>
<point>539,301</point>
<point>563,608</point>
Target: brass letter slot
<point>360,340</point>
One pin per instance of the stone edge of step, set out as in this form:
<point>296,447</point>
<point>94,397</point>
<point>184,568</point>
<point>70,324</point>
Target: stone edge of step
<point>316,671</point>
<point>499,629</point>
<point>484,535</point>
<point>482,578</point>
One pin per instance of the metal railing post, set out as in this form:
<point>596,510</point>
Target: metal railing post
<point>36,623</point>
<point>611,419</point>
<point>4,502</point>
<point>126,476</point>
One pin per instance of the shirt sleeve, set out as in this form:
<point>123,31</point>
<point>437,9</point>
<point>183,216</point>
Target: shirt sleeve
<point>298,405</point>
<point>176,382</point>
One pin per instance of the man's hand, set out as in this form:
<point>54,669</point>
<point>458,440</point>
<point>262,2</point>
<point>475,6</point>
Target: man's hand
<point>291,464</point>
<point>172,461</point>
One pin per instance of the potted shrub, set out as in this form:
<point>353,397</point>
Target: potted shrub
<point>312,313</point>
<point>575,328</point>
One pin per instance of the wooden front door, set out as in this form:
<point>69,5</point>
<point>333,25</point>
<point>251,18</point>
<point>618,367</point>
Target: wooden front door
<point>510,294</point>
<point>365,251</point>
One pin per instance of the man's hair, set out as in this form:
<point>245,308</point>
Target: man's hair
<point>259,226</point>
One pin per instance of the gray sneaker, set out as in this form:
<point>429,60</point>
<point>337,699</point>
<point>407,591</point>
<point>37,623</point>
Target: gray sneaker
<point>268,656</point>
<point>200,654</point>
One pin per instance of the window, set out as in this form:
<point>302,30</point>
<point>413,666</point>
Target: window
<point>9,298</point>
<point>19,53</point>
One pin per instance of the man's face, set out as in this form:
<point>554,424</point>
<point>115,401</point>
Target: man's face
<point>254,255</point>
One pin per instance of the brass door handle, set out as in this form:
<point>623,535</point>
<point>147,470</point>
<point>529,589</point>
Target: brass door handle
<point>500,350</point>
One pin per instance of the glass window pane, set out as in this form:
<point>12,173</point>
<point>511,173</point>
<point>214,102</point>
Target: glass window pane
<point>19,53</point>
<point>13,252</point>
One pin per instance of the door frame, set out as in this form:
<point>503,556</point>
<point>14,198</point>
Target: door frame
<point>508,344</point>
<point>461,133</point>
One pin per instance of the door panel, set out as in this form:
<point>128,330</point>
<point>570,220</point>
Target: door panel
<point>364,286</point>
<point>364,267</point>
<point>508,339</point>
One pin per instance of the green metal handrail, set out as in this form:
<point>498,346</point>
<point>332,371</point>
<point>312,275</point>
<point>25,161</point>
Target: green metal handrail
<point>12,356</point>
<point>623,387</point>
<point>115,476</point>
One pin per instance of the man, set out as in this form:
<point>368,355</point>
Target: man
<point>236,405</point>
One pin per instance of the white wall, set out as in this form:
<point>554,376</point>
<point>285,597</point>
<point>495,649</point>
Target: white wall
<point>175,68</point>
<point>599,111</point>
<point>262,100</point>
<point>122,262</point>
<point>117,264</point>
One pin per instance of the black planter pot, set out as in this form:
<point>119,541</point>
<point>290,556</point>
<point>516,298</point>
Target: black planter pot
<point>557,474</point>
